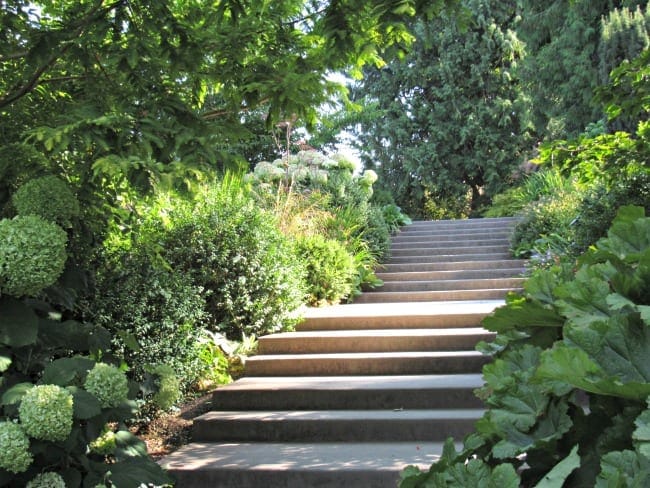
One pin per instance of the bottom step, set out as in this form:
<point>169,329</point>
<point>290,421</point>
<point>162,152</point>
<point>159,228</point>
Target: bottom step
<point>323,465</point>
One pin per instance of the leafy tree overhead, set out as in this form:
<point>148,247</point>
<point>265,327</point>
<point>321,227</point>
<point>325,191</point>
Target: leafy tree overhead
<point>448,118</point>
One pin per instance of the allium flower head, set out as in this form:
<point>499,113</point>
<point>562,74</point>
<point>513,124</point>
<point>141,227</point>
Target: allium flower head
<point>46,412</point>
<point>14,448</point>
<point>46,480</point>
<point>108,384</point>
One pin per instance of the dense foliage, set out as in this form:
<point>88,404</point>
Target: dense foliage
<point>447,122</point>
<point>567,391</point>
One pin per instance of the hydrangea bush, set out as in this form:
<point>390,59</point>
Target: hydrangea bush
<point>32,255</point>
<point>108,384</point>
<point>48,197</point>
<point>46,412</point>
<point>14,448</point>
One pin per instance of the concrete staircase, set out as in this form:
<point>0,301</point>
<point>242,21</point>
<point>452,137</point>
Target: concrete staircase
<point>360,391</point>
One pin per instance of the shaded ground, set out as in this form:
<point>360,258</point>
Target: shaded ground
<point>172,430</point>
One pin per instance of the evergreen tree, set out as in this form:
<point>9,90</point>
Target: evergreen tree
<point>446,125</point>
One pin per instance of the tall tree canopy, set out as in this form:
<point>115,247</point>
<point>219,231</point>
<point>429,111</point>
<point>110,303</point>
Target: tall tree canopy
<point>447,120</point>
<point>567,57</point>
<point>147,89</point>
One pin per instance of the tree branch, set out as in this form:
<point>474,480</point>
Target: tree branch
<point>34,80</point>
<point>8,57</point>
<point>215,114</point>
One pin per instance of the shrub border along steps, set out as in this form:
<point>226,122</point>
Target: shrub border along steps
<point>360,391</point>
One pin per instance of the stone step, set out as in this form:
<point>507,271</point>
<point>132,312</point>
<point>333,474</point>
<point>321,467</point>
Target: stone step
<point>397,425</point>
<point>456,265</point>
<point>445,251</point>
<point>444,237</point>
<point>429,296</point>
<point>297,465</point>
<point>463,223</point>
<point>442,391</point>
<point>362,316</point>
<point>322,342</point>
<point>465,274</point>
<point>369,363</point>
<point>448,258</point>
<point>446,285</point>
<point>436,244</point>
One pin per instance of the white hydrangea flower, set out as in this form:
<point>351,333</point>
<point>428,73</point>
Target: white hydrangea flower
<point>46,412</point>
<point>46,480</point>
<point>108,384</point>
<point>14,448</point>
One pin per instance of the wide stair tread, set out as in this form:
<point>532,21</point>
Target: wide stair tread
<point>359,391</point>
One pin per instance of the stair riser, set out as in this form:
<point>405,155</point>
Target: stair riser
<point>452,275</point>
<point>275,478</point>
<point>432,296</point>
<point>376,344</point>
<point>260,366</point>
<point>425,430</point>
<point>417,286</point>
<point>459,265</point>
<point>399,322</point>
<point>455,230</point>
<point>361,399</point>
<point>447,258</point>
<point>437,251</point>
<point>424,236</point>
<point>436,244</point>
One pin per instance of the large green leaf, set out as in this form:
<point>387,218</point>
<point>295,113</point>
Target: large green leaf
<point>5,359</point>
<point>15,394</point>
<point>520,313</point>
<point>574,366</point>
<point>624,469</point>
<point>86,405</point>
<point>135,472</point>
<point>561,471</point>
<point>67,371</point>
<point>641,435</point>
<point>18,323</point>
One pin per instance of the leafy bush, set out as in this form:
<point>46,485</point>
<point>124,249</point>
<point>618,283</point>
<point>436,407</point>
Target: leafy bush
<point>155,316</point>
<point>249,271</point>
<point>546,226</point>
<point>598,208</point>
<point>548,182</point>
<point>47,197</point>
<point>32,255</point>
<point>47,480</point>
<point>330,269</point>
<point>568,390</point>
<point>394,218</point>
<point>48,420</point>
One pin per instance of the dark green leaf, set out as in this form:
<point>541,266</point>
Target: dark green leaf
<point>128,445</point>
<point>134,472</point>
<point>561,471</point>
<point>18,323</point>
<point>5,359</point>
<point>85,404</point>
<point>15,394</point>
<point>67,371</point>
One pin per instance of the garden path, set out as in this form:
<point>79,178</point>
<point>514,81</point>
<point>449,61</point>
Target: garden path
<point>362,390</point>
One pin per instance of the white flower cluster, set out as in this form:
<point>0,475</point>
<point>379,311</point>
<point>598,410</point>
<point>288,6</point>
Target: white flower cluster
<point>32,254</point>
<point>46,480</point>
<point>14,448</point>
<point>108,384</point>
<point>45,412</point>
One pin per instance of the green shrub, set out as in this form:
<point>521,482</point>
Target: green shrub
<point>32,255</point>
<point>47,197</point>
<point>568,386</point>
<point>155,316</point>
<point>598,208</point>
<point>330,269</point>
<point>394,217</point>
<point>546,226</point>
<point>249,271</point>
